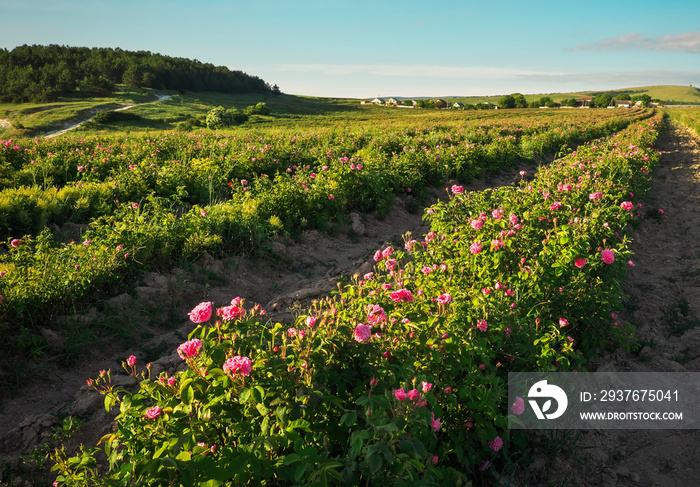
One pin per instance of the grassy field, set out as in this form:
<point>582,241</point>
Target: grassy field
<point>190,108</point>
<point>667,94</point>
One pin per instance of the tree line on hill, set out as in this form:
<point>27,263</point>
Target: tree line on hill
<point>516,100</point>
<point>43,73</point>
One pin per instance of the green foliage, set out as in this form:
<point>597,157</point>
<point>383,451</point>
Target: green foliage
<point>400,377</point>
<point>602,100</point>
<point>158,201</point>
<point>43,73</point>
<point>219,118</point>
<point>111,116</point>
<point>258,109</point>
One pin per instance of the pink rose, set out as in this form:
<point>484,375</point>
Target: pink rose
<point>482,325</point>
<point>153,413</point>
<point>238,365</point>
<point>580,263</point>
<point>444,298</point>
<point>230,313</point>
<point>496,444</point>
<point>426,386</point>
<point>627,206</point>
<point>311,321</point>
<point>413,394</point>
<point>131,361</point>
<point>363,333</point>
<point>190,349</point>
<point>375,314</point>
<point>402,295</point>
<point>400,394</point>
<point>475,248</point>
<point>201,313</point>
<point>608,256</point>
<point>435,423</point>
<point>457,189</point>
<point>518,406</point>
<point>563,322</point>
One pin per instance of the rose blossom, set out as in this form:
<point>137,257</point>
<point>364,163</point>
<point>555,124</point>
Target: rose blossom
<point>518,407</point>
<point>444,299</point>
<point>363,333</point>
<point>131,361</point>
<point>190,349</point>
<point>608,256</point>
<point>496,444</point>
<point>457,189</point>
<point>435,423</point>
<point>400,394</point>
<point>413,394</point>
<point>238,365</point>
<point>580,263</point>
<point>375,314</point>
<point>426,386</point>
<point>563,322</point>
<point>401,295</point>
<point>230,313</point>
<point>627,206</point>
<point>201,313</point>
<point>153,413</point>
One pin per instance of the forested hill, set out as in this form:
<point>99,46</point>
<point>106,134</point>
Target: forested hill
<point>43,73</point>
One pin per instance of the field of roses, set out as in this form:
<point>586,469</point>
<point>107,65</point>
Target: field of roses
<point>399,378</point>
<point>158,201</point>
<point>690,116</point>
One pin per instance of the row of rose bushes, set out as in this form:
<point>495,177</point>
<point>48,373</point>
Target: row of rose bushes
<point>400,379</point>
<point>42,277</point>
<point>75,179</point>
<point>690,116</point>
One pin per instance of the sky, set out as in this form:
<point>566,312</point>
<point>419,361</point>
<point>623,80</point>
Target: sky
<point>401,48</point>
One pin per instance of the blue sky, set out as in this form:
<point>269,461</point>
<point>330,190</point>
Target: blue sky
<point>362,49</point>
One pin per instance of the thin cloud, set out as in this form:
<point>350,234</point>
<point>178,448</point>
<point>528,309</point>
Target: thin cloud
<point>421,71</point>
<point>688,42</point>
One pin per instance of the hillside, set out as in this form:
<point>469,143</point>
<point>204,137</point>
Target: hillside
<point>45,73</point>
<point>667,94</point>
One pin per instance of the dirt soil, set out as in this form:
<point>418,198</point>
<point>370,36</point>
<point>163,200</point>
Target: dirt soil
<point>662,301</point>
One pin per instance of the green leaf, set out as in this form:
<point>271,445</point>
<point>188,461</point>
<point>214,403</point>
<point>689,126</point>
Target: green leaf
<point>349,418</point>
<point>291,458</point>
<point>244,395</point>
<point>299,472</point>
<point>375,463</point>
<point>258,394</point>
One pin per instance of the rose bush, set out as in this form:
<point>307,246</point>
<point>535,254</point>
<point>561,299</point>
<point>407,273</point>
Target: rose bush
<point>414,393</point>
